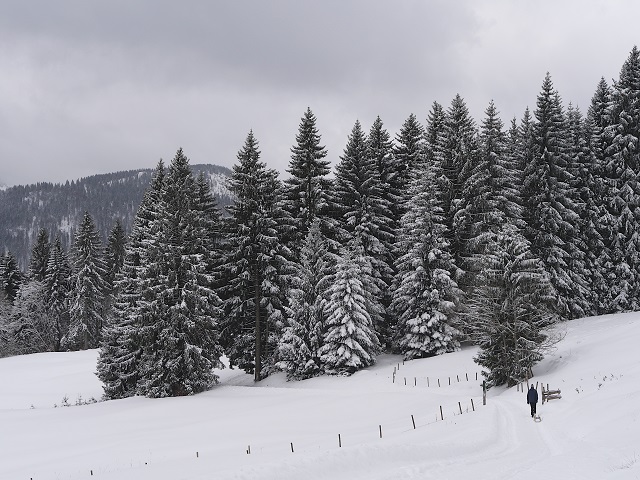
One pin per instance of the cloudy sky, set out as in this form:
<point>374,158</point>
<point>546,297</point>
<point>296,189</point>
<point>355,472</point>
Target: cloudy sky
<point>92,86</point>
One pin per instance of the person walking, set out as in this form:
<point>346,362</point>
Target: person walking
<point>532,399</point>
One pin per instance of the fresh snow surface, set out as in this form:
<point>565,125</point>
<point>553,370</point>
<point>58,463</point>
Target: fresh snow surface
<point>592,432</point>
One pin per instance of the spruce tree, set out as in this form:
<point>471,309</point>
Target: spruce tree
<point>40,256</point>
<point>255,265</point>
<point>307,190</point>
<point>58,289</point>
<point>489,198</point>
<point>408,154</point>
<point>365,218</point>
<point>425,294</point>
<point>551,210</point>
<point>302,337</point>
<point>512,306</point>
<point>457,156</point>
<point>87,305</point>
<point>121,348</point>
<point>32,328</point>
<point>179,327</point>
<point>10,277</point>
<point>601,213</point>
<point>350,341</point>
<point>623,162</point>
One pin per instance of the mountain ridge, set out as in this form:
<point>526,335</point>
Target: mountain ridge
<point>58,207</point>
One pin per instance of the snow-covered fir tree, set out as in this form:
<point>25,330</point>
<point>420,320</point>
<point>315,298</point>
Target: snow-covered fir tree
<point>457,154</point>
<point>10,276</point>
<point>587,249</point>
<point>302,337</point>
<point>306,193</point>
<point>40,256</point>
<point>32,329</point>
<point>600,213</point>
<point>350,341</point>
<point>179,327</point>
<point>122,346</point>
<point>433,131</point>
<point>255,265</point>
<point>86,310</point>
<point>58,288</point>
<point>408,154</point>
<point>623,164</point>
<point>490,194</point>
<point>512,306</point>
<point>425,294</point>
<point>550,206</point>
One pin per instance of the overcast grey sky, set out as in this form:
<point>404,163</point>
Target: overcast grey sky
<point>92,87</point>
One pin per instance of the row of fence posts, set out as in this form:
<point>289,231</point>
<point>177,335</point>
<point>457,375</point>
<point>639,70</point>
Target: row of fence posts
<point>415,379</point>
<point>413,423</point>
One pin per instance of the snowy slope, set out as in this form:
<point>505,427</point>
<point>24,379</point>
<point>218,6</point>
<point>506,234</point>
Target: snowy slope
<point>593,432</point>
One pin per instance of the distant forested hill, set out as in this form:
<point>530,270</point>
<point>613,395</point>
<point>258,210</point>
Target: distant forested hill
<point>59,207</point>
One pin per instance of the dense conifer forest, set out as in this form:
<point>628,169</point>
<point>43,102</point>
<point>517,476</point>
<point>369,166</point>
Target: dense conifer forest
<point>449,231</point>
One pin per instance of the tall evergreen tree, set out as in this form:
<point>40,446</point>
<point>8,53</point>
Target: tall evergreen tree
<point>302,337</point>
<point>457,155</point>
<point>365,217</point>
<point>58,288</point>
<point>32,328</point>
<point>179,328</point>
<point>601,212</point>
<point>425,294</point>
<point>350,342</point>
<point>256,264</point>
<point>307,190</point>
<point>10,277</point>
<point>551,210</point>
<point>433,130</point>
<point>490,195</point>
<point>87,304</point>
<point>512,306</point>
<point>40,256</point>
<point>408,154</point>
<point>623,165</point>
<point>121,348</point>
<point>588,248</point>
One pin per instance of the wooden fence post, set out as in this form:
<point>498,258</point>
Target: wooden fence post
<point>484,392</point>
<point>441,415</point>
<point>413,421</point>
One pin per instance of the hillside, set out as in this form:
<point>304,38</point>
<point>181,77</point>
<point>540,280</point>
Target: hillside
<point>59,207</point>
<point>591,433</point>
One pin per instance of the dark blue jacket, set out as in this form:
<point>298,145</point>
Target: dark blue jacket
<point>532,395</point>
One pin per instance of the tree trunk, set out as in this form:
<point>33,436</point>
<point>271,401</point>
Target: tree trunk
<point>258,333</point>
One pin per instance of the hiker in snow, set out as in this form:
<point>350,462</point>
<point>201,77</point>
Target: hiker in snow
<point>532,399</point>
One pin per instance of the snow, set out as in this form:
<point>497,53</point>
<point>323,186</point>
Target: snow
<point>592,432</point>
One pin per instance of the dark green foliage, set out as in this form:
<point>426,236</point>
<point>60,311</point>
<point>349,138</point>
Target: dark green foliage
<point>40,256</point>
<point>255,264</point>
<point>10,277</point>
<point>302,337</point>
<point>512,307</point>
<point>58,287</point>
<point>90,289</point>
<point>364,217</point>
<point>425,294</point>
<point>306,192</point>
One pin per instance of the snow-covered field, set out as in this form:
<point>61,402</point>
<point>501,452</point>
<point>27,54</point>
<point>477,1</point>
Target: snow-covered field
<point>593,432</point>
